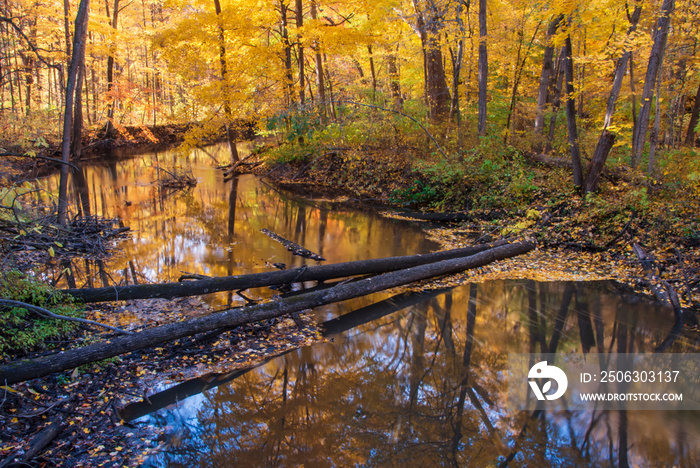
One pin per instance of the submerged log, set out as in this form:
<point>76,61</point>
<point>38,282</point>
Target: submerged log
<point>293,247</point>
<point>33,368</point>
<point>258,280</point>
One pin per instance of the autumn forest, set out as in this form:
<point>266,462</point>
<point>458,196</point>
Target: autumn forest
<point>481,178</point>
<point>621,78</point>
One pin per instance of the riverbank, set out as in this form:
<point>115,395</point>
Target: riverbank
<point>578,238</point>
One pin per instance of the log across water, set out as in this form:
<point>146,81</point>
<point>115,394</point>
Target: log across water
<point>257,280</point>
<point>28,369</point>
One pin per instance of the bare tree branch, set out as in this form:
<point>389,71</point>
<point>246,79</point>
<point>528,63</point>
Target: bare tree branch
<point>47,313</point>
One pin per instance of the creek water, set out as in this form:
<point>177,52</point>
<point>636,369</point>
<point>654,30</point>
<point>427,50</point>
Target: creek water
<point>413,379</point>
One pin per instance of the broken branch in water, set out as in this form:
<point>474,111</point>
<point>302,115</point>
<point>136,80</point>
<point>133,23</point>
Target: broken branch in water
<point>293,247</point>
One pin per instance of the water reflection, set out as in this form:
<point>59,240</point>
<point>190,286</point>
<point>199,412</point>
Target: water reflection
<point>426,385</point>
<point>214,229</point>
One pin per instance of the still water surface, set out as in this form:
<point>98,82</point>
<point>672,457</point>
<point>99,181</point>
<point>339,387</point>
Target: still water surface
<point>408,380</point>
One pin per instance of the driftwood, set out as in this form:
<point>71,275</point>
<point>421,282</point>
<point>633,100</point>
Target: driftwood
<point>22,370</point>
<point>258,280</point>
<point>293,247</point>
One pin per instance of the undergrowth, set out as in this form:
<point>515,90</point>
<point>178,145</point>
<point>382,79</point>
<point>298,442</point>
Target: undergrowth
<point>22,331</point>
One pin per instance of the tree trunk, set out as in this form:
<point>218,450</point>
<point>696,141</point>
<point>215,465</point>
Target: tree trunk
<point>395,84</point>
<point>225,83</point>
<point>81,23</point>
<point>655,59</point>
<point>437,93</point>
<point>318,61</point>
<point>690,136</point>
<point>654,136</point>
<point>287,54</point>
<point>257,280</point>
<point>546,78</point>
<point>571,114</point>
<point>606,139</point>
<point>109,127</point>
<point>22,370</point>
<point>519,66</point>
<point>300,52</point>
<point>483,68</point>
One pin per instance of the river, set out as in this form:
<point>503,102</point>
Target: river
<point>411,379</point>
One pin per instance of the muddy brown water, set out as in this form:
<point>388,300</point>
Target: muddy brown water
<point>403,380</point>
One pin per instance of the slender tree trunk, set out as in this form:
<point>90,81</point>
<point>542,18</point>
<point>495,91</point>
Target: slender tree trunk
<point>606,139</point>
<point>571,114</point>
<point>225,83</point>
<point>300,52</point>
<point>109,127</point>
<point>546,79</point>
<point>373,73</point>
<point>655,59</point>
<point>556,101</point>
<point>318,61</point>
<point>690,136</point>
<point>81,23</point>
<point>654,136</point>
<point>519,66</point>
<point>483,68</point>
<point>287,54</point>
<point>634,96</point>
<point>395,84</point>
<point>77,140</point>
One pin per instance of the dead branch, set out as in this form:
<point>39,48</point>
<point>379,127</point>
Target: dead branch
<point>48,314</point>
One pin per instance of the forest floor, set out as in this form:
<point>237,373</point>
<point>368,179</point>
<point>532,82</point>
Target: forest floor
<point>579,239</point>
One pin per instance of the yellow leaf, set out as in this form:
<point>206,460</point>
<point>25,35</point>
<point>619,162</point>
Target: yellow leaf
<point>51,252</point>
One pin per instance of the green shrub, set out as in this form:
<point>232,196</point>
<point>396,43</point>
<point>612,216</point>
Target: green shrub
<point>22,331</point>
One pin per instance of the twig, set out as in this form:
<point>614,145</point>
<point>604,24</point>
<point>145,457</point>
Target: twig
<point>47,313</point>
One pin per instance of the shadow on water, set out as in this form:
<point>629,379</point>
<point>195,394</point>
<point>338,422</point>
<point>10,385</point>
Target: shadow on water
<point>420,379</point>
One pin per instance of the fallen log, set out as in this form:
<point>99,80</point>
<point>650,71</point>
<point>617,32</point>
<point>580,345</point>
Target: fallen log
<point>293,247</point>
<point>26,369</point>
<point>258,280</point>
<point>202,383</point>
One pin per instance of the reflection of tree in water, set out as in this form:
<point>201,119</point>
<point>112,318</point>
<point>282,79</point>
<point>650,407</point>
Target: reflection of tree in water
<point>425,386</point>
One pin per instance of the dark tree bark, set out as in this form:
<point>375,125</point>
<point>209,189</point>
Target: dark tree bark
<point>483,67</point>
<point>109,127</point>
<point>556,101</point>
<point>655,59</point>
<point>287,53</point>
<point>606,139</point>
<point>394,83</point>
<point>318,273</point>
<point>318,62</point>
<point>81,23</point>
<point>300,52</point>
<point>429,23</point>
<point>546,78</point>
<point>19,371</point>
<point>690,136</point>
<point>571,115</point>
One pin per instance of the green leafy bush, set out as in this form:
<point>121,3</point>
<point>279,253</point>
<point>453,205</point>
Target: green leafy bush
<point>22,331</point>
